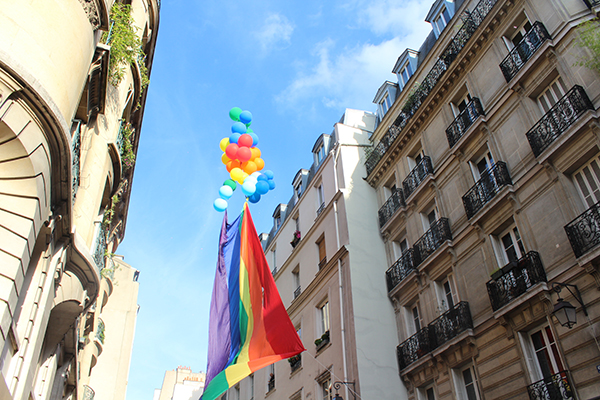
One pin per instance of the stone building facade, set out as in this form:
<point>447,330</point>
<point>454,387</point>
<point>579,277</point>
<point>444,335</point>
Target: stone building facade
<point>486,166</point>
<point>68,136</point>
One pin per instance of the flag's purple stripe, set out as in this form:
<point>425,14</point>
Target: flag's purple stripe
<point>232,258</point>
<point>219,328</point>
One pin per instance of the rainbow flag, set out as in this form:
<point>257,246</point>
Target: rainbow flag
<point>249,327</point>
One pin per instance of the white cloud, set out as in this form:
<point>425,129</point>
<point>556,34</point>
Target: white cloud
<point>350,77</point>
<point>275,33</point>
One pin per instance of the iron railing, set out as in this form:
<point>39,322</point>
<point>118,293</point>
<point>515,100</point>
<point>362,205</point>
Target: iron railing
<point>470,22</point>
<point>584,231</point>
<point>297,292</point>
<point>485,189</point>
<point>558,119</point>
<point>431,240</point>
<point>322,341</point>
<point>400,269</point>
<point>417,175</point>
<point>555,387</point>
<point>389,208</point>
<point>323,262</point>
<point>76,155</point>
<point>413,348</point>
<point>516,279</point>
<point>321,208</point>
<point>271,384</point>
<point>295,362</point>
<point>100,251</point>
<point>438,233</point>
<point>463,121</point>
<point>524,50</point>
<point>440,331</point>
<point>100,330</point>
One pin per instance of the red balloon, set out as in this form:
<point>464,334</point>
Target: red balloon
<point>232,151</point>
<point>245,140</point>
<point>244,154</point>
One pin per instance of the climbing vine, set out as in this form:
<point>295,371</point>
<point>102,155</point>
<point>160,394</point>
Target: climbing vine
<point>589,37</point>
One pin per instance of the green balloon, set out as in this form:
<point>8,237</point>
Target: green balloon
<point>234,113</point>
<point>230,183</point>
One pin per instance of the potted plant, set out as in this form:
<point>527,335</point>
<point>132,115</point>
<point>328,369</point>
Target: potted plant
<point>296,239</point>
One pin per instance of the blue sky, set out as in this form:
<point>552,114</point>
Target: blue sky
<point>296,65</point>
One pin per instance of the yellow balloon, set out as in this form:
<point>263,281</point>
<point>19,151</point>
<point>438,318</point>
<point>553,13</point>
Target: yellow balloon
<point>225,159</point>
<point>260,164</point>
<point>224,143</point>
<point>237,174</point>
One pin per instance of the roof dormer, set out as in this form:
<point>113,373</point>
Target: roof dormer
<point>439,15</point>
<point>299,183</point>
<point>320,148</point>
<point>406,66</point>
<point>385,97</point>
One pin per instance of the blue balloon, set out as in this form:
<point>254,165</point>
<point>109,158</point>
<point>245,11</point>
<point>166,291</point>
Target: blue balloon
<point>262,177</point>
<point>271,184</point>
<point>246,117</point>
<point>238,127</point>
<point>254,198</point>
<point>262,187</point>
<point>268,173</point>
<point>225,192</point>
<point>254,138</point>
<point>248,187</point>
<point>220,204</point>
<point>234,137</point>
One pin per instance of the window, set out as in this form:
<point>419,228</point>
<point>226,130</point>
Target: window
<point>541,353</point>
<point>554,92</point>
<point>465,382</point>
<point>415,158</point>
<point>385,103</point>
<point>236,392</point>
<point>320,197</point>
<point>296,281</point>
<point>322,254</point>
<point>442,20</point>
<point>325,388</point>
<point>460,105</point>
<point>446,293</point>
<point>481,164</point>
<point>428,217</point>
<point>271,377</point>
<point>517,33</point>
<point>320,153</point>
<point>426,393</point>
<point>587,180</point>
<point>399,247</point>
<point>406,73</point>
<point>413,319</point>
<point>274,260</point>
<point>323,318</point>
<point>509,246</point>
<point>298,189</point>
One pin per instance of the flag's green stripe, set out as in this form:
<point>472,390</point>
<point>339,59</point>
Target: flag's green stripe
<point>216,387</point>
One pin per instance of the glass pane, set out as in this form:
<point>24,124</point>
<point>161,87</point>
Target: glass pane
<point>584,189</point>
<point>415,312</point>
<point>544,103</point>
<point>509,248</point>
<point>588,174</point>
<point>448,293</point>
<point>430,394</point>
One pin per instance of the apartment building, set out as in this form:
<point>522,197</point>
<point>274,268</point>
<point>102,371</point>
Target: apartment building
<point>181,384</point>
<point>486,166</point>
<point>69,132</point>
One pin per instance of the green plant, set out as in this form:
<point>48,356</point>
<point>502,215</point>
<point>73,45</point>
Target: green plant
<point>125,45</point>
<point>411,99</point>
<point>127,155</point>
<point>589,37</point>
<point>110,212</point>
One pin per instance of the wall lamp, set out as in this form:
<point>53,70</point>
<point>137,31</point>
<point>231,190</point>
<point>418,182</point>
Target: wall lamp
<point>563,310</point>
<point>337,385</point>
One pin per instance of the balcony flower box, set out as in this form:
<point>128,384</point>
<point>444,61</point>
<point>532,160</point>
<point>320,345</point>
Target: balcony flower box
<point>296,239</point>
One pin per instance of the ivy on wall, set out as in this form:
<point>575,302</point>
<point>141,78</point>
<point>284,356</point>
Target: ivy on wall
<point>589,38</point>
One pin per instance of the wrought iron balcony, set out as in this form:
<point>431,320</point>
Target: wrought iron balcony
<point>451,323</point>
<point>469,26</point>
<point>297,292</point>
<point>491,182</point>
<point>413,348</point>
<point>321,208</point>
<point>516,279</point>
<point>531,42</point>
<point>584,231</point>
<point>271,384</point>
<point>443,329</point>
<point>558,119</point>
<point>555,387</point>
<point>389,208</point>
<point>417,175</point>
<point>76,154</point>
<point>438,233</point>
<point>400,269</point>
<point>465,119</point>
<point>323,262</point>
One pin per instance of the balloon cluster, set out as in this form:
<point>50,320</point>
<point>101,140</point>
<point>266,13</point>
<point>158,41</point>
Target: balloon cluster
<point>242,160</point>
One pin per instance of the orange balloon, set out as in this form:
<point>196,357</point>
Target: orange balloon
<point>260,164</point>
<point>249,167</point>
<point>255,153</point>
<point>232,164</point>
<point>225,159</point>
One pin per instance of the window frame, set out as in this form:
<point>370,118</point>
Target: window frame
<point>594,174</point>
<point>323,318</point>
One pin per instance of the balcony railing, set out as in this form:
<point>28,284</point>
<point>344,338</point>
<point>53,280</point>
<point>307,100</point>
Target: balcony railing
<point>555,387</point>
<point>413,348</point>
<point>516,279</point>
<point>558,119</point>
<point>417,175</point>
<point>322,341</point>
<point>584,231</point>
<point>100,251</point>
<point>76,153</point>
<point>438,233</point>
<point>323,262</point>
<point>271,384</point>
<point>295,362</point>
<point>491,182</point>
<point>443,329</point>
<point>389,208</point>
<point>400,269</point>
<point>465,119</point>
<point>321,208</point>
<point>531,42</point>
<point>471,21</point>
<point>297,292</point>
